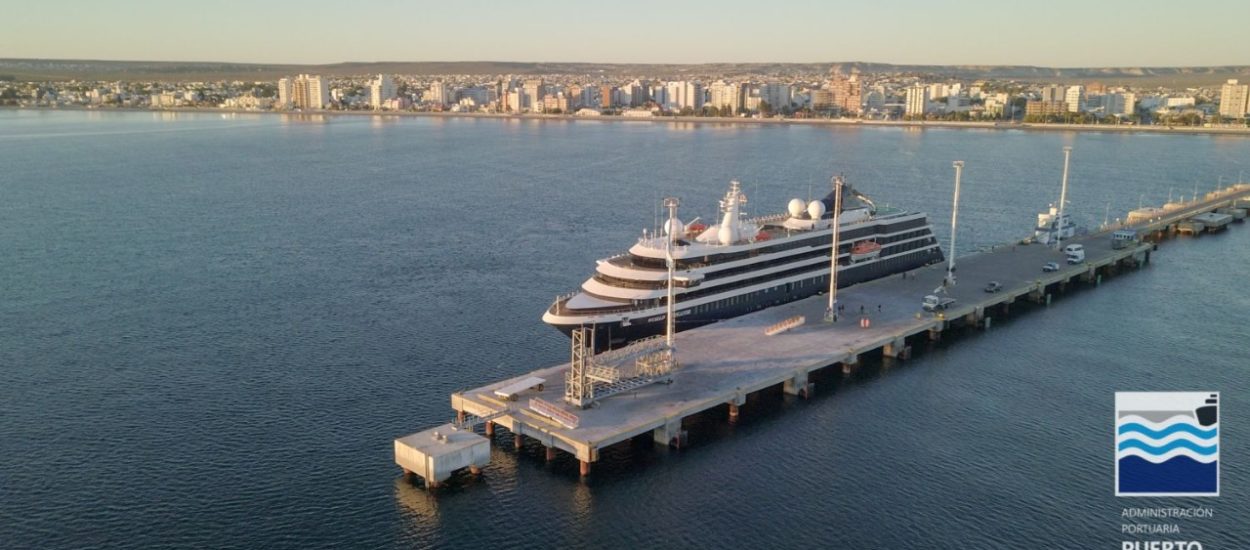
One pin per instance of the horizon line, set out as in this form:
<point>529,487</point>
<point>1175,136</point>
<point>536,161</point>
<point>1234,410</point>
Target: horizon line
<point>1245,66</point>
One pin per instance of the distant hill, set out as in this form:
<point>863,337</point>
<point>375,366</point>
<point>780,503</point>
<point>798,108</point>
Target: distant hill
<point>85,69</point>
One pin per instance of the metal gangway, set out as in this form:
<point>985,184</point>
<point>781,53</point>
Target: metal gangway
<point>593,377</point>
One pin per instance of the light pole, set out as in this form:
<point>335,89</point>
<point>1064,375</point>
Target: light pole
<point>671,204</point>
<point>950,264</point>
<point>831,312</point>
<point>1063,198</point>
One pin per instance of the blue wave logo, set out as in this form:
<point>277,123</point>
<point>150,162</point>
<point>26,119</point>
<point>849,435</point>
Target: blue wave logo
<point>1167,444</point>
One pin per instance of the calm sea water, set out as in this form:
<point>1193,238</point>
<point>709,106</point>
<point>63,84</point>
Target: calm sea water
<point>211,328</point>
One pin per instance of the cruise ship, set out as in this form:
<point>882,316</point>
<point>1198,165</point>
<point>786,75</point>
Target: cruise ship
<point>742,264</point>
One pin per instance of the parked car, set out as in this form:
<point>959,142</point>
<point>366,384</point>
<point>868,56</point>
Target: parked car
<point>994,286</point>
<point>1050,266</point>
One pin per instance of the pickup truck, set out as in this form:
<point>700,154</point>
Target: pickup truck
<point>934,302</point>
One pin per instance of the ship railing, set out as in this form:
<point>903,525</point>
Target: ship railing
<point>660,246</point>
<point>559,307</point>
<point>760,220</point>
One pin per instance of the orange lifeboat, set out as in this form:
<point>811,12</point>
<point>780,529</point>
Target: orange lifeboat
<point>864,251</point>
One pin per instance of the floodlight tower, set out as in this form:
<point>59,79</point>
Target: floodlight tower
<point>671,204</point>
<point>831,312</point>
<point>1063,198</point>
<point>950,263</point>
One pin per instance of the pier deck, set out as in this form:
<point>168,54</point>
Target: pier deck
<point>724,362</point>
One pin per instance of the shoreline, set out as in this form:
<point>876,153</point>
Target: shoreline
<point>999,125</point>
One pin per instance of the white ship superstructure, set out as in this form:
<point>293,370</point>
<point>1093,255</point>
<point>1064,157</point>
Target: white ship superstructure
<point>742,264</point>
<point>1052,224</point>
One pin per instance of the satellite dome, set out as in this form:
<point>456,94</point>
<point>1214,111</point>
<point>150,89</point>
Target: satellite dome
<point>673,227</point>
<point>796,207</point>
<point>816,209</point>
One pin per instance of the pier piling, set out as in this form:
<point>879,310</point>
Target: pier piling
<point>670,434</point>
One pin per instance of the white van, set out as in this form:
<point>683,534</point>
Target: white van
<point>1075,253</point>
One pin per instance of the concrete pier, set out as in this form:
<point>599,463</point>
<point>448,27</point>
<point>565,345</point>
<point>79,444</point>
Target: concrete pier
<point>434,454</point>
<point>723,363</point>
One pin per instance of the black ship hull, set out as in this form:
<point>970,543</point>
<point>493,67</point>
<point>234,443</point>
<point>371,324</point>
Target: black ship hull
<point>609,335</point>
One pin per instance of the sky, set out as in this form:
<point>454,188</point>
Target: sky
<point>1052,33</point>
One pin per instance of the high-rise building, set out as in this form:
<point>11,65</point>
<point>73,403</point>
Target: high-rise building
<point>605,96</point>
<point>777,95</point>
<point>1234,99</point>
<point>917,100</point>
<point>308,92</point>
<point>1043,108</point>
<point>875,101</point>
<point>1075,99</point>
<point>1119,103</point>
<point>637,91</point>
<point>673,92</point>
<point>479,95</point>
<point>533,92</point>
<point>726,96</point>
<point>381,90</point>
<point>659,94</point>
<point>622,96</point>
<point>821,99</point>
<point>848,92</point>
<point>284,93</point>
<point>682,94</point>
<point>513,103</point>
<point>997,105</point>
<point>1054,92</point>
<point>564,103</point>
<point>696,95</point>
<point>439,93</point>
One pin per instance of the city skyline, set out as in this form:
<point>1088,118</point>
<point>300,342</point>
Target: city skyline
<point>1066,34</point>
